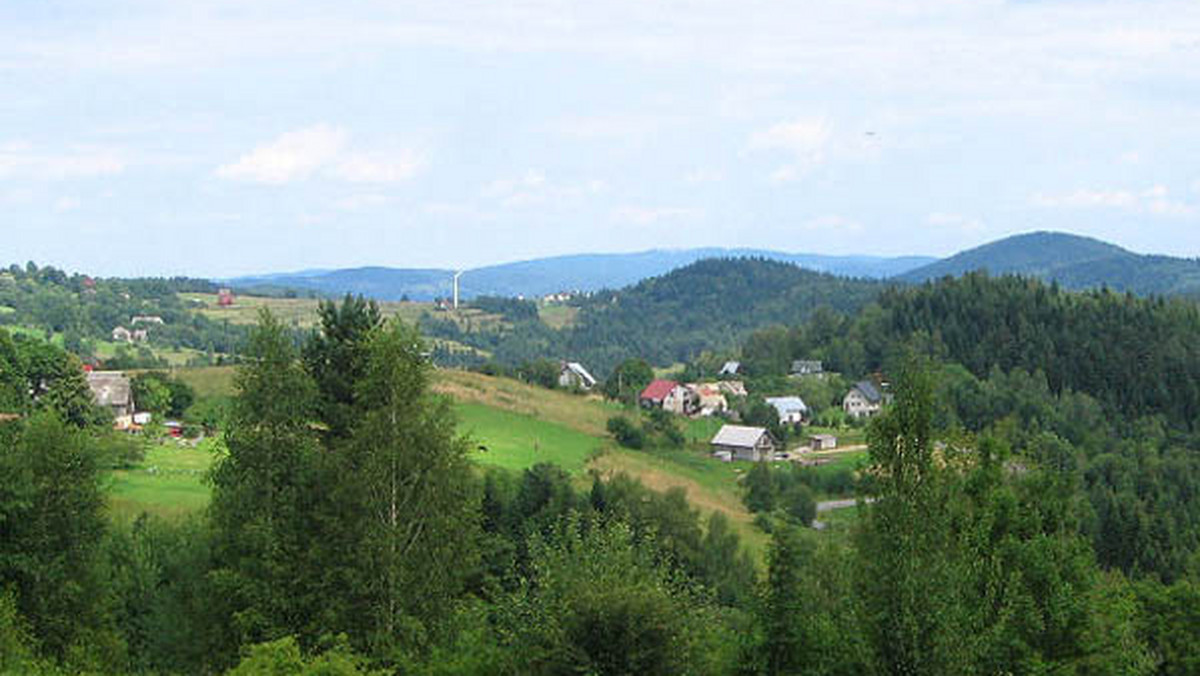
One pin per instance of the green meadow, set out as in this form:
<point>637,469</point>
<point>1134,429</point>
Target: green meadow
<point>169,482</point>
<point>517,441</point>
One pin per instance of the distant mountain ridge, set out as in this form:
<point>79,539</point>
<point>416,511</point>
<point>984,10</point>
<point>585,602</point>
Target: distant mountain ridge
<point>538,277</point>
<point>1075,262</point>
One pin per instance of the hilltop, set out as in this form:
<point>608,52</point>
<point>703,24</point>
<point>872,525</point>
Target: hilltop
<point>1073,261</point>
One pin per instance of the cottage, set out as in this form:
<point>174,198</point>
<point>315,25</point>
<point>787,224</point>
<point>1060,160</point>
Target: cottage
<point>822,442</point>
<point>710,399</point>
<point>731,368</point>
<point>225,297</point>
<point>744,443</point>
<point>121,334</point>
<point>573,375</point>
<point>147,319</point>
<point>732,388</point>
<point>112,390</point>
<point>807,367</point>
<point>682,400</point>
<point>792,410</point>
<point>863,401</point>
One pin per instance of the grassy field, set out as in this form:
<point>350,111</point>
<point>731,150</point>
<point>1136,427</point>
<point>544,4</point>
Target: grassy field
<point>169,482</point>
<point>209,381</point>
<point>517,441</point>
<point>300,312</point>
<point>558,316</point>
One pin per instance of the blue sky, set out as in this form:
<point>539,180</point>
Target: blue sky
<point>225,137</point>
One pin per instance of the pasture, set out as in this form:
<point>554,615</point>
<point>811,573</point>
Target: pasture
<point>169,482</point>
<point>517,441</point>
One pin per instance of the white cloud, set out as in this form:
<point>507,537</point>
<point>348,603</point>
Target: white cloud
<point>364,201</point>
<point>702,175</point>
<point>651,215</point>
<point>294,155</point>
<point>1153,200</point>
<point>369,168</point>
<point>19,160</point>
<point>806,138</point>
<point>64,204</point>
<point>533,188</point>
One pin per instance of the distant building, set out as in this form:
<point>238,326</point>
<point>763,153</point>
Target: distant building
<point>807,367</point>
<point>112,390</point>
<point>863,401</point>
<point>656,393</point>
<point>572,374</point>
<point>822,442</point>
<point>121,334</point>
<point>225,297</point>
<point>731,368</point>
<point>732,388</point>
<point>146,319</point>
<point>744,443</point>
<point>682,400</point>
<point>792,410</point>
<point>710,399</point>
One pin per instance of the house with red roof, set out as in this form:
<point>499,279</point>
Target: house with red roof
<point>656,393</point>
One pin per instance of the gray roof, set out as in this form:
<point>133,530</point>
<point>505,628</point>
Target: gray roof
<point>803,366</point>
<point>786,405</point>
<point>869,391</point>
<point>110,388</point>
<point>731,368</point>
<point>739,435</point>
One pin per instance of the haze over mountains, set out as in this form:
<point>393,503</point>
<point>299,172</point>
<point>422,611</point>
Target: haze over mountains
<point>1073,261</point>
<point>538,277</point>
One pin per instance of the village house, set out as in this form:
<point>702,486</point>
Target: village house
<point>146,319</point>
<point>806,367</point>
<point>123,335</point>
<point>710,399</point>
<point>656,392</point>
<point>737,442</point>
<point>225,297</point>
<point>573,375</point>
<point>682,400</point>
<point>863,401</point>
<point>112,390</point>
<point>731,368</point>
<point>733,388</point>
<point>792,410</point>
<point>822,442</point>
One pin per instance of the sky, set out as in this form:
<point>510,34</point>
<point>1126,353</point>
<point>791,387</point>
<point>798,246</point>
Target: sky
<point>226,137</point>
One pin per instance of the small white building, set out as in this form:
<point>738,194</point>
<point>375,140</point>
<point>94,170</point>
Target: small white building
<point>731,368</point>
<point>792,410</point>
<point>711,400</point>
<point>822,442</point>
<point>744,443</point>
<point>112,390</point>
<point>572,374</point>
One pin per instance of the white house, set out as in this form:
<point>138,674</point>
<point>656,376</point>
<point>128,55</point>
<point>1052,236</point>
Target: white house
<point>792,410</point>
<point>710,399</point>
<point>112,390</point>
<point>572,374</point>
<point>744,443</point>
<point>863,401</point>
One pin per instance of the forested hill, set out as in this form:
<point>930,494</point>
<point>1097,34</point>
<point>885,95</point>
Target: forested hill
<point>583,272</point>
<point>709,305</point>
<point>1074,262</point>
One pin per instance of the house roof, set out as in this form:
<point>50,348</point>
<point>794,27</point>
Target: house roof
<point>578,369</point>
<point>110,388</point>
<point>786,405</point>
<point>658,389</point>
<point>869,391</point>
<point>731,368</point>
<point>824,437</point>
<point>739,436</point>
<point>807,366</point>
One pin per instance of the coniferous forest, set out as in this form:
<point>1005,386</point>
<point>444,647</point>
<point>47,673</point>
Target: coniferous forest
<point>1029,506</point>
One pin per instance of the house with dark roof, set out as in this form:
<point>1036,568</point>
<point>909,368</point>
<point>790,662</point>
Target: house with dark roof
<point>738,442</point>
<point>863,400</point>
<point>112,390</point>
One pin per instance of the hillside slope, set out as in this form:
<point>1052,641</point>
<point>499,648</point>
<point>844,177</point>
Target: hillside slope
<point>1074,262</point>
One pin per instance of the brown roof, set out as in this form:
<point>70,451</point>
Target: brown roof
<point>658,390</point>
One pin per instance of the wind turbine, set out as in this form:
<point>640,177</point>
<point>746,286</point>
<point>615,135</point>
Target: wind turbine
<point>456,276</point>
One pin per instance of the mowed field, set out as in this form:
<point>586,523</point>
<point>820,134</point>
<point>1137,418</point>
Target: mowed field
<point>517,425</point>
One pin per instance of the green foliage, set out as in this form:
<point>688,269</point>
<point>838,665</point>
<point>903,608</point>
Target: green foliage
<point>759,489</point>
<point>284,658</point>
<point>625,432</point>
<point>628,379</point>
<point>336,358</point>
